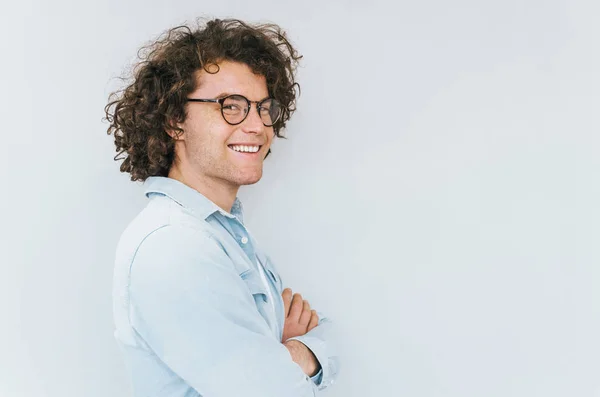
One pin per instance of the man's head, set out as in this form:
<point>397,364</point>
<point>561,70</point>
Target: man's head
<point>162,121</point>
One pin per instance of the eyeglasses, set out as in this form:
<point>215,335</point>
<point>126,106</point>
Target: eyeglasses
<point>235,108</point>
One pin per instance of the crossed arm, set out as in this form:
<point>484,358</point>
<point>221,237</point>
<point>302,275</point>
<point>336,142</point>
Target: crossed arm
<point>197,316</point>
<point>300,319</point>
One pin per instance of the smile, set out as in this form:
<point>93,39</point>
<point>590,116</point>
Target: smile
<point>245,148</point>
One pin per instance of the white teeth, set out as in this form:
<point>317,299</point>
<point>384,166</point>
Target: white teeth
<point>244,148</point>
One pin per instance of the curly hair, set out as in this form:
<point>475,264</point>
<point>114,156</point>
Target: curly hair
<point>154,102</point>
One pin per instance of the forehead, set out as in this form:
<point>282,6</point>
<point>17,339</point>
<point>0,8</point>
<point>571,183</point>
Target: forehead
<point>232,78</point>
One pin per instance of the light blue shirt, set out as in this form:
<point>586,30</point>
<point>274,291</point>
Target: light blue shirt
<point>193,314</point>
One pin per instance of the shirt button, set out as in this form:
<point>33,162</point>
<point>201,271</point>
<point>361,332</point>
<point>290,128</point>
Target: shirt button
<point>244,240</point>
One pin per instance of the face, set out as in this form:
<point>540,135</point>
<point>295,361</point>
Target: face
<point>210,148</point>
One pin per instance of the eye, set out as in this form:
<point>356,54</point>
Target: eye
<point>232,107</point>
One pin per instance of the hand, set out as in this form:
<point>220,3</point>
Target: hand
<point>299,317</point>
<point>304,357</point>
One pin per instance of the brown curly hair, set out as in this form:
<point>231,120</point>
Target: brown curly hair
<point>154,102</point>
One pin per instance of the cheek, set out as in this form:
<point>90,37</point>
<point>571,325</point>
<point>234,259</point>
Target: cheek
<point>208,134</point>
<point>270,137</point>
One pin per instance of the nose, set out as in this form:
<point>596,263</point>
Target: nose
<point>253,123</point>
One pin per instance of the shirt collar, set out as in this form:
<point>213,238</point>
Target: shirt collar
<point>189,198</point>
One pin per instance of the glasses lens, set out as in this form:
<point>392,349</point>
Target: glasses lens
<point>235,108</point>
<point>270,111</point>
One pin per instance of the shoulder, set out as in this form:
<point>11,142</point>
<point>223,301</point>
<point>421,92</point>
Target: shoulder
<point>165,220</point>
<point>178,257</point>
<point>165,235</point>
<point>178,241</point>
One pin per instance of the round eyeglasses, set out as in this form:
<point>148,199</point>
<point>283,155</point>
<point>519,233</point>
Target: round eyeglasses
<point>235,108</point>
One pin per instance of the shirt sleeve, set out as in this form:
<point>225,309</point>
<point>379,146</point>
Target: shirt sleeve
<point>197,315</point>
<point>319,341</point>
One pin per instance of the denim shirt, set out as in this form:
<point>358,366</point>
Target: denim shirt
<point>194,316</point>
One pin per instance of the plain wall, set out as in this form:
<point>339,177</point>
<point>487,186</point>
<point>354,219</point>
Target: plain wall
<point>437,195</point>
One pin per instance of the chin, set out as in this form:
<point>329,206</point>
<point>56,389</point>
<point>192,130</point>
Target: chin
<point>250,181</point>
<point>250,178</point>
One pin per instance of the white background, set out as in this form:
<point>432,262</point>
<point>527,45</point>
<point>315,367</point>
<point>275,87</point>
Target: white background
<point>438,195</point>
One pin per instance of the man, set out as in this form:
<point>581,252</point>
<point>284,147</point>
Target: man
<point>199,308</point>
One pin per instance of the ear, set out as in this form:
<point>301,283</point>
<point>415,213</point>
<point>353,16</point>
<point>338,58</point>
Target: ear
<point>176,133</point>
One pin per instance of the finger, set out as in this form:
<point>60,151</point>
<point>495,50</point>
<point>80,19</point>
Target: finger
<point>314,320</point>
<point>306,314</point>
<point>296,308</point>
<point>287,301</point>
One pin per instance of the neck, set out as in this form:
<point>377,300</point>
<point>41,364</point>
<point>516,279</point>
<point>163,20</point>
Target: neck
<point>218,191</point>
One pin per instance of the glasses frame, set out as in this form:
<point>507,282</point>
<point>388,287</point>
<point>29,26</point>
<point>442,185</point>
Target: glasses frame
<point>221,101</point>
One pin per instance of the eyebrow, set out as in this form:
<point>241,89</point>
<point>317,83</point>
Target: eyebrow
<point>224,94</point>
